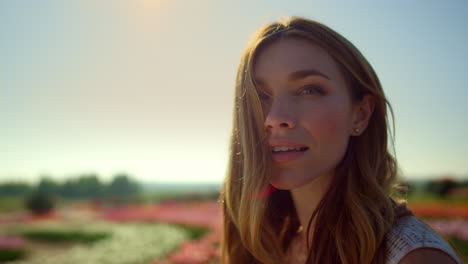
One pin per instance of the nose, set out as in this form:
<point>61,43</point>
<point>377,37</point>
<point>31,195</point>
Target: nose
<point>280,115</point>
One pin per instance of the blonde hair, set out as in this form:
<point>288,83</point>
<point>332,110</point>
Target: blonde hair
<point>259,228</point>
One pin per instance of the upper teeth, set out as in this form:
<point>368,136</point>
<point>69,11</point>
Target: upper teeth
<point>285,149</point>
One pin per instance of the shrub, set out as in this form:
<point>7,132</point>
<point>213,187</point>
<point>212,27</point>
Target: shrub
<point>11,254</point>
<point>194,232</point>
<point>39,203</point>
<point>65,236</point>
<point>441,187</point>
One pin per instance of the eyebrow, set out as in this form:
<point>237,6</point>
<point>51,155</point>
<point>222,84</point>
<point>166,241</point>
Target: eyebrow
<point>301,74</point>
<point>305,73</point>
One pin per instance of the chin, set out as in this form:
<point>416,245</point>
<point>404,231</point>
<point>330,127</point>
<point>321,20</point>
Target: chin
<point>291,181</point>
<point>285,183</point>
<point>281,185</point>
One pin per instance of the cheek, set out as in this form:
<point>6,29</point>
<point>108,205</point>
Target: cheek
<point>334,123</point>
<point>329,126</point>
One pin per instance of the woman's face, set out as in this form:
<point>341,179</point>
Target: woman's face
<point>309,115</point>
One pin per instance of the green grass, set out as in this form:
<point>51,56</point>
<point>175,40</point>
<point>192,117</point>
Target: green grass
<point>11,204</point>
<point>461,246</point>
<point>7,254</point>
<point>194,232</point>
<point>65,236</point>
<point>428,198</point>
<point>178,195</point>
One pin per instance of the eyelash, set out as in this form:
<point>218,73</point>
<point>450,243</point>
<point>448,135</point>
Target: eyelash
<point>314,89</point>
<point>262,95</point>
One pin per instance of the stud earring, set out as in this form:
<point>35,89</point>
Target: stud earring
<point>356,130</point>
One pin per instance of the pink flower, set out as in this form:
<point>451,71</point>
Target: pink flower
<point>11,242</point>
<point>193,253</point>
<point>455,227</point>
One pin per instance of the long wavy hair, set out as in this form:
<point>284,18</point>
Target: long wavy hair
<point>259,224</point>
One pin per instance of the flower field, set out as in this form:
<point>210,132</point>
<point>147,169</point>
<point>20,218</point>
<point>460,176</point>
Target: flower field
<point>449,219</point>
<point>162,233</point>
<point>127,243</point>
<point>440,210</point>
<point>203,215</point>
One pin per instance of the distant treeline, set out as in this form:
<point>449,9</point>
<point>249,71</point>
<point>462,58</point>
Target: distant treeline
<point>84,186</point>
<point>123,186</point>
<point>443,187</point>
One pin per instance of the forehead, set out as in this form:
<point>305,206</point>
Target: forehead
<point>282,57</point>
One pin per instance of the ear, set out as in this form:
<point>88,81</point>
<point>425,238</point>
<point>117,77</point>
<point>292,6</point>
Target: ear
<point>362,112</point>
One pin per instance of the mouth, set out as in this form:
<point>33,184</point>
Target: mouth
<point>282,155</point>
<point>275,150</point>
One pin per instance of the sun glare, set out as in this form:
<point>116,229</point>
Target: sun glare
<point>149,4</point>
<point>145,12</point>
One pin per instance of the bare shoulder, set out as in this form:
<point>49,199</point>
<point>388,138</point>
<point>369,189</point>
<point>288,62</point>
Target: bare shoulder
<point>427,256</point>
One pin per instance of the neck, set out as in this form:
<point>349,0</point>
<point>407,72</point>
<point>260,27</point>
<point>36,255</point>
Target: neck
<point>306,198</point>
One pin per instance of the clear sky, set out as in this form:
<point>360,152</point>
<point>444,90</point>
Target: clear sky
<point>146,86</point>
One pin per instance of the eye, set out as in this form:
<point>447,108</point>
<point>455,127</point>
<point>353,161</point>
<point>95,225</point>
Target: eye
<point>312,89</point>
<point>262,95</point>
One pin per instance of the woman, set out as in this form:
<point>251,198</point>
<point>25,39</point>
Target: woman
<point>310,175</point>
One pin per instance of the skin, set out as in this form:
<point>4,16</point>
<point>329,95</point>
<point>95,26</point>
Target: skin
<point>314,110</point>
<point>427,256</point>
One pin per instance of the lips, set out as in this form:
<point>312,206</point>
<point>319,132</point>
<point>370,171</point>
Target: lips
<point>284,151</point>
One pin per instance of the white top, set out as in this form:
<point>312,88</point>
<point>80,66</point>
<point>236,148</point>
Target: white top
<point>410,233</point>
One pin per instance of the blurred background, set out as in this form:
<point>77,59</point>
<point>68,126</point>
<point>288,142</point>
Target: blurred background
<point>116,116</point>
